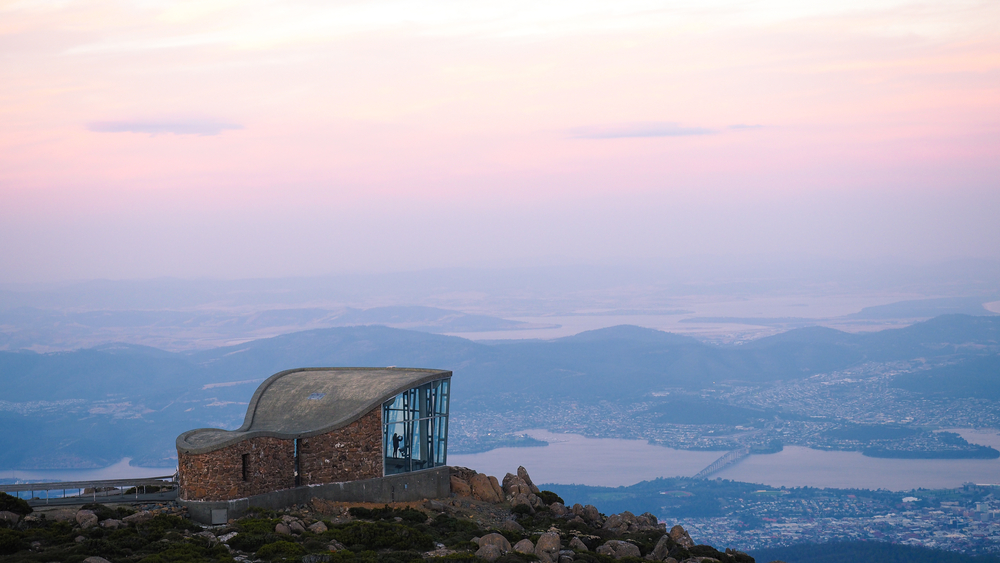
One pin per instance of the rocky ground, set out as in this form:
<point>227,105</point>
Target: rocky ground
<point>508,521</point>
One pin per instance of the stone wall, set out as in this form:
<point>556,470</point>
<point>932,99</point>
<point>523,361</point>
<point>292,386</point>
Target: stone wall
<point>218,475</point>
<point>350,453</point>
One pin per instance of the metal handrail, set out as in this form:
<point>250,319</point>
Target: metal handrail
<point>117,485</point>
<point>69,485</point>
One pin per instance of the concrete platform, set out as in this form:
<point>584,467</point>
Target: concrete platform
<point>405,487</point>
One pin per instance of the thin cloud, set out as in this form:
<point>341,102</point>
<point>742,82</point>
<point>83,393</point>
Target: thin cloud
<point>178,127</point>
<point>744,127</point>
<point>647,129</point>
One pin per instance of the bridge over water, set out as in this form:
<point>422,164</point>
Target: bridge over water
<point>727,460</point>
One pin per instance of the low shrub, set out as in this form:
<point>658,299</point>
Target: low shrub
<point>13,504</point>
<point>10,542</point>
<point>451,531</point>
<point>548,497</point>
<point>388,513</point>
<point>381,535</point>
<point>257,525</point>
<point>252,541</point>
<point>281,550</point>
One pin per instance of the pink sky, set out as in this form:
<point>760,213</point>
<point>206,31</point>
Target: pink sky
<point>230,139</point>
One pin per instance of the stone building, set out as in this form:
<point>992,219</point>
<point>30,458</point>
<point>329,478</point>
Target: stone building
<point>351,434</point>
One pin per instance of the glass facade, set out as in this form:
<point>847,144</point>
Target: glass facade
<point>415,428</point>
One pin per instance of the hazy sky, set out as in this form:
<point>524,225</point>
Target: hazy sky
<point>257,138</point>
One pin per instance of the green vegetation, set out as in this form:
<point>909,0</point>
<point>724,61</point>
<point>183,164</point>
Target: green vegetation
<point>13,504</point>
<point>548,497</point>
<point>60,541</point>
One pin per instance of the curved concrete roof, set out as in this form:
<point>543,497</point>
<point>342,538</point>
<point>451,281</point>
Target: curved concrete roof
<point>308,401</point>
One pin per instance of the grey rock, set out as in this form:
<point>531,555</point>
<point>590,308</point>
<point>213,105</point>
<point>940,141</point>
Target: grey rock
<point>565,558</point>
<point>651,520</point>
<point>226,537</point>
<point>317,527</point>
<point>79,539</point>
<point>8,516</point>
<point>590,514</point>
<point>489,552</point>
<point>524,546</point>
<point>482,489</point>
<point>659,552</point>
<point>316,558</point>
<point>520,499</point>
<point>112,524</point>
<point>283,529</point>
<point>548,546</point>
<point>559,509</point>
<point>619,549</point>
<point>95,559</point>
<point>681,537</point>
<point>296,527</point>
<point>523,474</point>
<point>336,546</point>
<point>511,526</point>
<point>434,505</point>
<point>86,519</point>
<point>497,540</point>
<point>138,518</point>
<point>209,536</point>
<point>577,544</point>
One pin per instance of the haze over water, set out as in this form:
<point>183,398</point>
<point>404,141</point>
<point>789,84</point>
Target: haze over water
<point>574,459</point>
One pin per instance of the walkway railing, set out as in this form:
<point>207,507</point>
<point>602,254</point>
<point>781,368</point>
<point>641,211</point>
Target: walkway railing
<point>108,491</point>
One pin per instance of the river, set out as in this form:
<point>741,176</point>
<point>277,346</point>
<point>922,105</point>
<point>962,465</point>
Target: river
<point>573,459</point>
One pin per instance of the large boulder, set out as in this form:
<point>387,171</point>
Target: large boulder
<point>140,517</point>
<point>317,527</point>
<point>548,546</point>
<point>489,552</point>
<point>588,513</point>
<point>9,517</point>
<point>577,544</point>
<point>558,509</point>
<point>681,537</point>
<point>619,549</point>
<point>510,525</point>
<point>627,522</point>
<point>283,529</point>
<point>86,519</point>
<point>514,485</point>
<point>523,474</point>
<point>524,499</point>
<point>661,550</point>
<point>460,487</point>
<point>497,540</point>
<point>112,524</point>
<point>524,546</point>
<point>496,487</point>
<point>482,489</point>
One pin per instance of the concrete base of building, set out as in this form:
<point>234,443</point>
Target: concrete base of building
<point>405,487</point>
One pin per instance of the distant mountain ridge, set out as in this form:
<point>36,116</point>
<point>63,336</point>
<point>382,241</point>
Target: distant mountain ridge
<point>122,390</point>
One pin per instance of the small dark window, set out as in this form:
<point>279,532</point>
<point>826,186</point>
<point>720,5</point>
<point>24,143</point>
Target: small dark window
<point>246,467</point>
